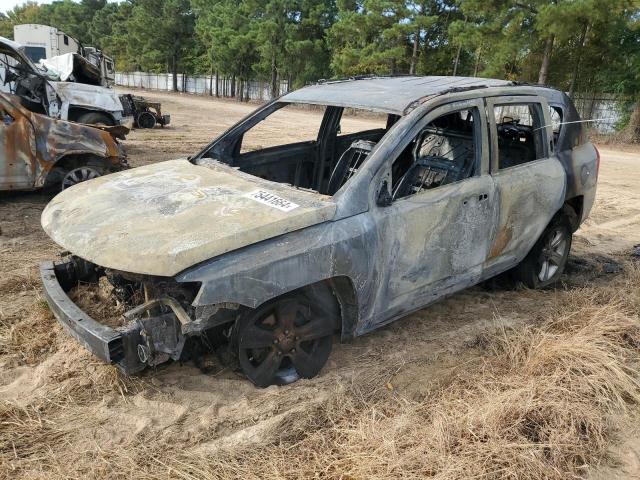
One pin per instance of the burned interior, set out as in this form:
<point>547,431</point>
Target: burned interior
<point>325,158</point>
<point>445,151</point>
<point>21,79</point>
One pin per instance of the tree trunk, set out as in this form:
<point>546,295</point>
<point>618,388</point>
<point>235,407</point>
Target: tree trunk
<point>576,66</point>
<point>217,85</point>
<point>457,60</point>
<point>544,68</point>
<point>274,76</point>
<point>233,86</point>
<point>414,55</point>
<point>478,57</point>
<point>458,53</point>
<point>174,71</point>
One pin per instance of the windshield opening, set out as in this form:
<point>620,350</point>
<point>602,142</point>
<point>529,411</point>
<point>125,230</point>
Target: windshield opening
<point>314,147</point>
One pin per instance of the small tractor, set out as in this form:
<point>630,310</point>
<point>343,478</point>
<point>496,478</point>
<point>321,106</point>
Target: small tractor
<point>145,114</point>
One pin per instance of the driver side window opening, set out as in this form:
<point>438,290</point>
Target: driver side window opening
<point>446,151</point>
<point>520,129</point>
<point>308,146</point>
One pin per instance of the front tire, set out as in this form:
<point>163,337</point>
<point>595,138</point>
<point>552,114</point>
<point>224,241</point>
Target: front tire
<point>78,175</point>
<point>545,263</point>
<point>287,338</point>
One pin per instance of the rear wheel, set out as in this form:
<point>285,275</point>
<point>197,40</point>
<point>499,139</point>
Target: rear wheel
<point>287,338</point>
<point>146,120</point>
<point>547,259</point>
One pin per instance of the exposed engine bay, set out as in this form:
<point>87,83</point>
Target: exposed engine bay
<point>155,313</point>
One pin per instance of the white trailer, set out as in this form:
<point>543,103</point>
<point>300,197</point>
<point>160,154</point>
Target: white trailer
<point>42,41</point>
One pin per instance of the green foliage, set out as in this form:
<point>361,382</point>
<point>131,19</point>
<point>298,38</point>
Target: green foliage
<point>160,34</point>
<point>576,45</point>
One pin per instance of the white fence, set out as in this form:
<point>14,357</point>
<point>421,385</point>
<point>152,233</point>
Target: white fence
<point>200,85</point>
<point>603,111</point>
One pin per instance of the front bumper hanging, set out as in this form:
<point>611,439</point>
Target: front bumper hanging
<point>119,347</point>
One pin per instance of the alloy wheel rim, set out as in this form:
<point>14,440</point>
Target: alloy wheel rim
<point>552,255</point>
<point>79,175</point>
<point>282,344</point>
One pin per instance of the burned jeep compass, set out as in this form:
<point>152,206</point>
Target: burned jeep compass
<point>283,247</point>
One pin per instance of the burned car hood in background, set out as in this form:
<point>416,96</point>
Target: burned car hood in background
<point>94,97</point>
<point>163,218</point>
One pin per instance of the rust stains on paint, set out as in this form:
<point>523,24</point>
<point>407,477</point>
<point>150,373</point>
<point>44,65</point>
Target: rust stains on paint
<point>31,145</point>
<point>502,240</point>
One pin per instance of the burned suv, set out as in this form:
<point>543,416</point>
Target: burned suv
<point>37,151</point>
<point>444,183</point>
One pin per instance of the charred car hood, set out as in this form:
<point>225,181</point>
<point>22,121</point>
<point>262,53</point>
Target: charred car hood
<point>94,97</point>
<point>163,218</point>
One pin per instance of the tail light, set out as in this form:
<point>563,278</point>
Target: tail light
<point>597,161</point>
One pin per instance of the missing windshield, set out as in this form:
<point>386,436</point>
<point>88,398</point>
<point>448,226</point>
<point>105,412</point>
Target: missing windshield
<point>308,146</point>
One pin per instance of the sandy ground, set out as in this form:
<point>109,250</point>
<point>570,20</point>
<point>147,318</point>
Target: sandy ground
<point>207,411</point>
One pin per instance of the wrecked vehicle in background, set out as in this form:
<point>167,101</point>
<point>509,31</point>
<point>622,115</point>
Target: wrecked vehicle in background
<point>38,151</point>
<point>145,114</point>
<point>42,91</point>
<point>275,248</point>
<point>60,52</point>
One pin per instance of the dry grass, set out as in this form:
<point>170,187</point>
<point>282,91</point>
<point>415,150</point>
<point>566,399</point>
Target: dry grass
<point>30,337</point>
<point>99,303</point>
<point>539,404</point>
<point>537,401</point>
<point>15,283</point>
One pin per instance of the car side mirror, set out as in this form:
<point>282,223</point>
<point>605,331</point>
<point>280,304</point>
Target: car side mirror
<point>384,198</point>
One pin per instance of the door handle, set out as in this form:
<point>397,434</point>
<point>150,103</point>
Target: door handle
<point>481,198</point>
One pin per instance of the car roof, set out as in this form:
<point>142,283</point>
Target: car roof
<point>385,94</point>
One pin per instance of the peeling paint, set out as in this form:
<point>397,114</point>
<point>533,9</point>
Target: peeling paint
<point>31,145</point>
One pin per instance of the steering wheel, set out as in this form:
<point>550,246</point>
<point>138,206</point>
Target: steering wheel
<point>9,76</point>
<point>509,128</point>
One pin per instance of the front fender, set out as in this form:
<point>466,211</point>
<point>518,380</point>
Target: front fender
<point>252,275</point>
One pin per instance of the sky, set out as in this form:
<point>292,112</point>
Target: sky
<point>6,5</point>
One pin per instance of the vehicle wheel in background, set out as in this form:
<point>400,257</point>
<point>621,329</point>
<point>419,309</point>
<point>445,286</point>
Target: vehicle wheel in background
<point>146,120</point>
<point>287,338</point>
<point>545,262</point>
<point>96,118</point>
<point>79,175</point>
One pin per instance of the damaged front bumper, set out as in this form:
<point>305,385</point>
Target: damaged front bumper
<point>146,340</point>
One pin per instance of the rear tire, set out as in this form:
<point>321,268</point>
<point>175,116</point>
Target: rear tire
<point>146,120</point>
<point>96,118</point>
<point>545,263</point>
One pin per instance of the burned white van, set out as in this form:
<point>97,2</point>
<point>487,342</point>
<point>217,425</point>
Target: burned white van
<point>43,91</point>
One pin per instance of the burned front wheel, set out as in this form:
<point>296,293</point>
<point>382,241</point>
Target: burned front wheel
<point>79,175</point>
<point>287,338</point>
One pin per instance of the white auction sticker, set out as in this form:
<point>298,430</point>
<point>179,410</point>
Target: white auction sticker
<point>272,200</point>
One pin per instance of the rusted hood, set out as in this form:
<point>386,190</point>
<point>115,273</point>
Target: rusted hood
<point>163,218</point>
